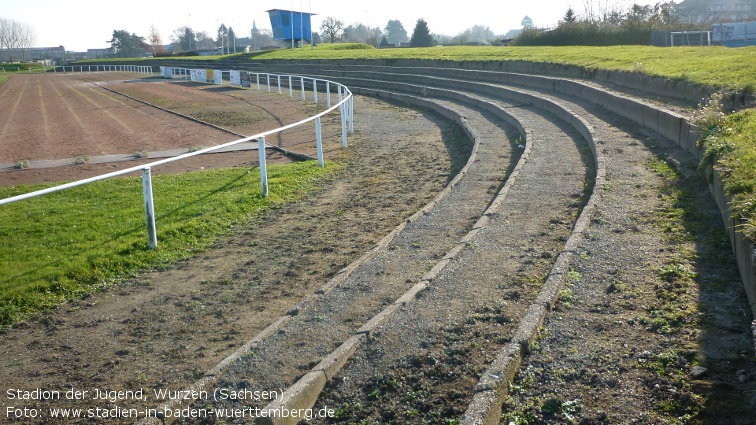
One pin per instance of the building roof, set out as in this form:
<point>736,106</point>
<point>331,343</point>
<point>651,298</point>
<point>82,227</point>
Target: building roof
<point>292,11</point>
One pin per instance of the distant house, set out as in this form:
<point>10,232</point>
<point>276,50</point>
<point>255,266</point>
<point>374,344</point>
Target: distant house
<point>99,53</point>
<point>33,54</point>
<point>715,11</point>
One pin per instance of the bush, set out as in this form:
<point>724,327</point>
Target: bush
<point>583,34</point>
<point>351,46</point>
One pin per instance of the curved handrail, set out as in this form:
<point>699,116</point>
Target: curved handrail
<point>345,105</point>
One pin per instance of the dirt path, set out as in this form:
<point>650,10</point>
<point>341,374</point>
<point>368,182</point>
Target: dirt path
<point>164,330</point>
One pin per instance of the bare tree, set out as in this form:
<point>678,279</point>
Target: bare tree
<point>26,38</point>
<point>4,34</point>
<point>331,28</point>
<point>184,37</point>
<point>16,38</point>
<point>261,38</point>
<point>155,41</point>
<point>610,12</point>
<point>204,41</point>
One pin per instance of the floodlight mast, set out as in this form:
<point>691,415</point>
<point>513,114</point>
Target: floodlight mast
<point>291,14</point>
<point>312,39</point>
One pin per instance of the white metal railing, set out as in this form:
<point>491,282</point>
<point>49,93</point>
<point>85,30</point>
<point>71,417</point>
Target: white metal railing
<point>139,69</point>
<point>345,106</point>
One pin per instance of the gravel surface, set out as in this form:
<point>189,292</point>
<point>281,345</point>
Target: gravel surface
<point>473,307</point>
<point>653,294</point>
<point>323,326</point>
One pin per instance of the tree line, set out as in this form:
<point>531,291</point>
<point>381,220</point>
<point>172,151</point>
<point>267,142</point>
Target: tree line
<point>186,39</point>
<point>605,24</point>
<point>15,39</point>
<point>392,35</point>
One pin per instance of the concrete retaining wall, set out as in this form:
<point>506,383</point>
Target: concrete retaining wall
<point>636,81</point>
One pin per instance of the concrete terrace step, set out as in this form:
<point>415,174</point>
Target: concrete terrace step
<point>326,320</point>
<point>475,306</point>
<point>551,193</point>
<point>499,282</point>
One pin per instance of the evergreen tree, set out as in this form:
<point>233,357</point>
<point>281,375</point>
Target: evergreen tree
<point>569,17</point>
<point>395,32</point>
<point>125,45</point>
<point>421,36</point>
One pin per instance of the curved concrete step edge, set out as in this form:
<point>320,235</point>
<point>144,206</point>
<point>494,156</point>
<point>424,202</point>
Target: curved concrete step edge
<point>305,392</point>
<point>489,393</point>
<point>669,124</point>
<point>211,376</point>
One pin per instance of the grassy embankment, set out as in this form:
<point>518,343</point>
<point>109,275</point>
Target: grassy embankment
<point>73,242</point>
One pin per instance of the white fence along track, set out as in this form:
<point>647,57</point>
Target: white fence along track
<point>345,106</point>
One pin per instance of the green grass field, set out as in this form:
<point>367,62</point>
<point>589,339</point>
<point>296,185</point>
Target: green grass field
<point>73,242</point>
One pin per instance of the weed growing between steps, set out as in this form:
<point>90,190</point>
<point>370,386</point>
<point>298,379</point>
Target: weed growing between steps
<point>730,143</point>
<point>651,341</point>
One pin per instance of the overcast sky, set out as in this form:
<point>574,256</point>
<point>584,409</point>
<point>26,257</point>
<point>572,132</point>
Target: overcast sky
<point>82,24</point>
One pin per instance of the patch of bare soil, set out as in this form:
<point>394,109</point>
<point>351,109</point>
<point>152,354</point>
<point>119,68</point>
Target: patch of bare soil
<point>163,330</point>
<point>64,116</point>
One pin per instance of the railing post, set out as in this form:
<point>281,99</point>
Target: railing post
<point>263,166</point>
<point>279,83</point>
<point>319,142</point>
<point>149,207</point>
<point>291,88</point>
<point>315,90</point>
<point>268,82</point>
<point>328,94</point>
<point>343,125</point>
<point>351,114</point>
<point>257,77</point>
<point>301,84</point>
